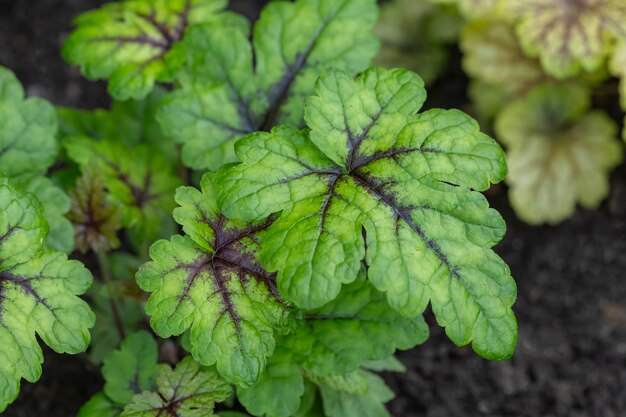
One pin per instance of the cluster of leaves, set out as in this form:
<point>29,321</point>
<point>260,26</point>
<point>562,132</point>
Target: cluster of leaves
<point>536,67</point>
<point>333,214</point>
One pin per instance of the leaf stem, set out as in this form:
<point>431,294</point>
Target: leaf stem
<point>105,273</point>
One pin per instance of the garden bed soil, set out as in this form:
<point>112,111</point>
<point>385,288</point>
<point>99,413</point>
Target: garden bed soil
<point>571,308</point>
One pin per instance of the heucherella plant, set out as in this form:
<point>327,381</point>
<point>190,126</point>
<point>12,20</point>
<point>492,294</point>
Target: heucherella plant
<point>519,60</point>
<point>281,281</point>
<point>372,180</point>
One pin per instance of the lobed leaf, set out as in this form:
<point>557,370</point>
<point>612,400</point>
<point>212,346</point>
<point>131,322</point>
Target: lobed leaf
<point>38,294</point>
<point>187,391</point>
<point>569,36</point>
<point>373,174</point>
<point>233,86</point>
<point>560,152</point>
<point>210,281</point>
<point>135,43</point>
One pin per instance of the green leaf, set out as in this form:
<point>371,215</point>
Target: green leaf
<point>560,152</point>
<point>211,282</point>
<point>569,36</point>
<point>371,171</point>
<point>132,369</point>
<point>356,327</point>
<point>27,138</point>
<point>95,219</point>
<point>361,394</point>
<point>135,43</point>
<point>492,54</point>
<point>190,390</point>
<point>38,294</point>
<point>138,179</point>
<point>233,86</point>
<point>279,392</point>
<point>99,405</point>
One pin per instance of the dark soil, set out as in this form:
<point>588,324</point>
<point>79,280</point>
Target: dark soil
<point>571,308</point>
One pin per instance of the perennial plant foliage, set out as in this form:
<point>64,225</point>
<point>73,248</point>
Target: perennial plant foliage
<point>280,210</point>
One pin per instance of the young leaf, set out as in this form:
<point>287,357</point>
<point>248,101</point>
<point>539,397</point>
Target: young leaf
<point>211,282</point>
<point>491,54</point>
<point>96,220</point>
<point>132,369</point>
<point>132,42</point>
<point>187,391</point>
<point>233,86</point>
<point>560,152</point>
<point>356,327</point>
<point>408,181</point>
<point>141,181</point>
<point>569,36</point>
<point>38,294</point>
